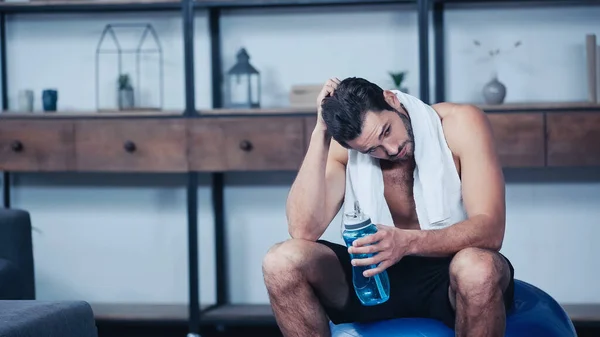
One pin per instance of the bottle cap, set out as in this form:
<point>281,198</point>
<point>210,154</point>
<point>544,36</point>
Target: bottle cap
<point>356,220</point>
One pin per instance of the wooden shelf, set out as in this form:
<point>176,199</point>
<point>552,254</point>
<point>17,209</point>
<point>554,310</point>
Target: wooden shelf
<point>253,314</point>
<point>89,114</point>
<point>540,107</point>
<point>273,3</point>
<point>259,112</point>
<point>232,314</point>
<point>87,5</point>
<point>293,111</point>
<point>141,312</point>
<point>583,313</point>
<point>538,2</point>
<point>125,5</point>
<point>508,107</point>
<point>262,314</point>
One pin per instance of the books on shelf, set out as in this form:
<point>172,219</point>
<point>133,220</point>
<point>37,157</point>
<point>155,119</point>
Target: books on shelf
<point>305,95</point>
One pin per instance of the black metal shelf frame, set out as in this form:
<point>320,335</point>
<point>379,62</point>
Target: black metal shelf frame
<point>187,9</point>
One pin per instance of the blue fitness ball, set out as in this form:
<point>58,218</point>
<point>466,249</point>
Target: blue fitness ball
<point>535,313</point>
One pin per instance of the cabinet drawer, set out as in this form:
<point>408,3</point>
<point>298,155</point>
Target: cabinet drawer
<point>133,145</point>
<point>36,145</point>
<point>519,138</point>
<point>206,139</point>
<point>264,143</point>
<point>247,144</point>
<point>573,139</point>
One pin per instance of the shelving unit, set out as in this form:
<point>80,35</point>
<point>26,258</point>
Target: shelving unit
<point>192,126</point>
<point>93,115</point>
<point>65,6</point>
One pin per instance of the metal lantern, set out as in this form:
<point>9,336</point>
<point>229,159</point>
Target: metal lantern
<point>243,84</point>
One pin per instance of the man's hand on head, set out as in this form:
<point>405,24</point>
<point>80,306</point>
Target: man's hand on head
<point>390,244</point>
<point>327,91</point>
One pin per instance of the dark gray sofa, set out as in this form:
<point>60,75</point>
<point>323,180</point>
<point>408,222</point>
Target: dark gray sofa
<point>27,318</point>
<point>17,280</point>
<point>20,314</point>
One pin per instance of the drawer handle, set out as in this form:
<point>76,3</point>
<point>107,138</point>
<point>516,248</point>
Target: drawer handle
<point>16,146</point>
<point>245,145</point>
<point>129,146</point>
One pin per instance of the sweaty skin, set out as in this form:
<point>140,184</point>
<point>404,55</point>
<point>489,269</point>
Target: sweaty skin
<point>299,272</point>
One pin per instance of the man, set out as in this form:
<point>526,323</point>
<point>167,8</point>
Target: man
<point>455,274</point>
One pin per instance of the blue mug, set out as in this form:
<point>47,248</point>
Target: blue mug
<point>49,99</point>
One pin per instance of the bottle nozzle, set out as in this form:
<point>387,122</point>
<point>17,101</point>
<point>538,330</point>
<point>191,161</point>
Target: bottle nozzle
<point>356,208</point>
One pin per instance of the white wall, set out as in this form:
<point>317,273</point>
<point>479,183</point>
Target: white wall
<point>122,238</point>
<point>550,65</point>
<point>307,46</point>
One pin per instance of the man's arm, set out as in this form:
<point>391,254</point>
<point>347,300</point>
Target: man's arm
<point>318,190</point>
<point>470,136</point>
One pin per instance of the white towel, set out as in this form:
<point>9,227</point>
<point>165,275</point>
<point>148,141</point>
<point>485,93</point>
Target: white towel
<point>437,188</point>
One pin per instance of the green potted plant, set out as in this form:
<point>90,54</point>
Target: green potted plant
<point>398,79</point>
<point>126,99</point>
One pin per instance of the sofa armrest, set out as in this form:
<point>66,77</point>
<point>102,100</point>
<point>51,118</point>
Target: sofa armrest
<point>10,283</point>
<point>16,247</point>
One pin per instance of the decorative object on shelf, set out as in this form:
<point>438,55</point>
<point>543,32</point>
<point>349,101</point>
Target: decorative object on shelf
<point>25,101</point>
<point>398,79</point>
<point>137,50</point>
<point>126,97</point>
<point>494,92</point>
<point>305,96</point>
<point>591,58</point>
<point>49,99</point>
<point>242,84</point>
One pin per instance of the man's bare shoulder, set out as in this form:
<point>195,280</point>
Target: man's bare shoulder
<point>463,124</point>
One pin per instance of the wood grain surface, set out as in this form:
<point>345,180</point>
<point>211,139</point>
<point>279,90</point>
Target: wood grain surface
<point>36,145</point>
<point>519,138</point>
<point>139,145</point>
<point>573,139</point>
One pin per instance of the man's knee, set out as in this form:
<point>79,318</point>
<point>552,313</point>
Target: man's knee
<point>286,257</point>
<point>477,275</point>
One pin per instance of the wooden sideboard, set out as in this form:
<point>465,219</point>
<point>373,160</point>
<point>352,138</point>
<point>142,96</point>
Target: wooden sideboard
<point>254,143</point>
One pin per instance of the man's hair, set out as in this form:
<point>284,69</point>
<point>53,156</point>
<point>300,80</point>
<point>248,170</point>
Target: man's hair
<point>344,112</point>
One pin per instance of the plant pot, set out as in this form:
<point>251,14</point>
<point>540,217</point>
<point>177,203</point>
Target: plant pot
<point>126,99</point>
<point>494,92</point>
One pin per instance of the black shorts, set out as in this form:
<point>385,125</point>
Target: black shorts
<point>418,288</point>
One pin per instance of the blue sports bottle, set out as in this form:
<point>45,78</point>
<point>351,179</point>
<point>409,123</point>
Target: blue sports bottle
<point>370,290</point>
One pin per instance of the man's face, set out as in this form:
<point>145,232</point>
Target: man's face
<point>386,135</point>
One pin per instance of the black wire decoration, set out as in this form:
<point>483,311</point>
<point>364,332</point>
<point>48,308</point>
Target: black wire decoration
<point>148,29</point>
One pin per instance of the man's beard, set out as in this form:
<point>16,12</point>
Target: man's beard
<point>411,137</point>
